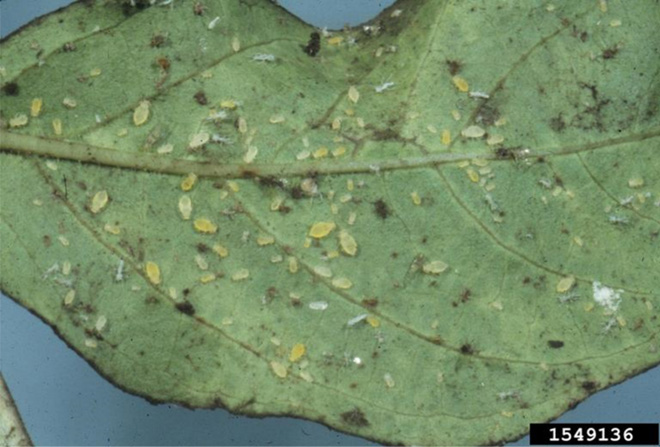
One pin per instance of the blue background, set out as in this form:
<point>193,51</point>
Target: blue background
<point>64,402</point>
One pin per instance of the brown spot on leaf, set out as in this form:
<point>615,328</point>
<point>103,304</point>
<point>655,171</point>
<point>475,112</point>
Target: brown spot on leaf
<point>355,417</point>
<point>313,45</point>
<point>185,307</point>
<point>381,209</point>
<point>11,89</point>
<point>201,99</point>
<point>453,66</point>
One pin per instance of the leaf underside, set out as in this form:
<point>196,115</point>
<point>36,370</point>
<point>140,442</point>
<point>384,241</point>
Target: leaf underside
<point>438,229</point>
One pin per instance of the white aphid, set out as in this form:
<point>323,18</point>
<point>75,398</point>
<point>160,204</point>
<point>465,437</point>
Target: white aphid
<point>119,275</point>
<point>219,115</point>
<point>216,138</point>
<point>214,22</point>
<point>477,94</point>
<point>384,86</point>
<point>263,57</point>
<point>52,269</point>
<point>606,296</point>
<point>318,305</point>
<point>355,320</point>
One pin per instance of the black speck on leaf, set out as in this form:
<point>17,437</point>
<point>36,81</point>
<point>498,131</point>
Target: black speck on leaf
<point>313,45</point>
<point>186,308</point>
<point>10,89</point>
<point>355,417</point>
<point>381,209</point>
<point>555,344</point>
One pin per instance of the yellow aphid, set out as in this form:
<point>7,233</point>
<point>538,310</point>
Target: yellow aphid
<point>341,150</point>
<point>66,267</point>
<point>279,369</point>
<point>265,240</point>
<point>456,115</point>
<point>199,140</point>
<point>353,94</point>
<point>578,241</point>
<point>350,185</point>
<point>460,83</point>
<point>233,186</point>
<point>565,284</point>
<point>293,264</point>
<point>342,283</point>
<point>335,40</point>
<point>320,152</point>
<point>297,352</point>
<point>446,137</point>
<point>434,267</point>
<point>207,74</point>
<point>373,321</point>
<point>589,307</point>
<point>188,182</point>
<point>35,107</point>
<point>636,182</point>
<point>323,271</point>
<point>494,139</point>
<point>141,113</point>
<point>389,380</point>
<point>321,229</point>
<point>347,243</point>
<point>250,154</point>
<point>228,104</point>
<point>333,254</point>
<point>185,207</point>
<point>360,122</point>
<point>473,132</point>
<point>276,119</point>
<point>94,72</point>
<point>349,112</point>
<point>63,240</point>
<point>19,120</point>
<point>221,250</point>
<point>336,123</point>
<point>204,225</point>
<point>99,201</point>
<point>165,148</point>
<point>69,103</point>
<point>153,272</point>
<point>57,126</point>
<point>201,262</point>
<point>431,128</point>
<point>207,278</point>
<point>473,175</point>
<point>615,23</point>
<point>276,203</point>
<point>122,132</point>
<point>112,229</point>
<point>622,321</point>
<point>235,44</point>
<point>240,275</point>
<point>242,125</point>
<point>308,242</point>
<point>415,198</point>
<point>69,297</point>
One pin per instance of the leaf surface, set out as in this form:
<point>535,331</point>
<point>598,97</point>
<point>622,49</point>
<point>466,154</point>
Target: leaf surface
<point>438,229</point>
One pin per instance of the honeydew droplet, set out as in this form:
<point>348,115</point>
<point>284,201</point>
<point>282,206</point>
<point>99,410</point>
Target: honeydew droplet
<point>141,113</point>
<point>153,272</point>
<point>99,202</point>
<point>297,352</point>
<point>321,229</point>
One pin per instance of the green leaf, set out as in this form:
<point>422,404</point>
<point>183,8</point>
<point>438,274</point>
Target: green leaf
<point>434,231</point>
